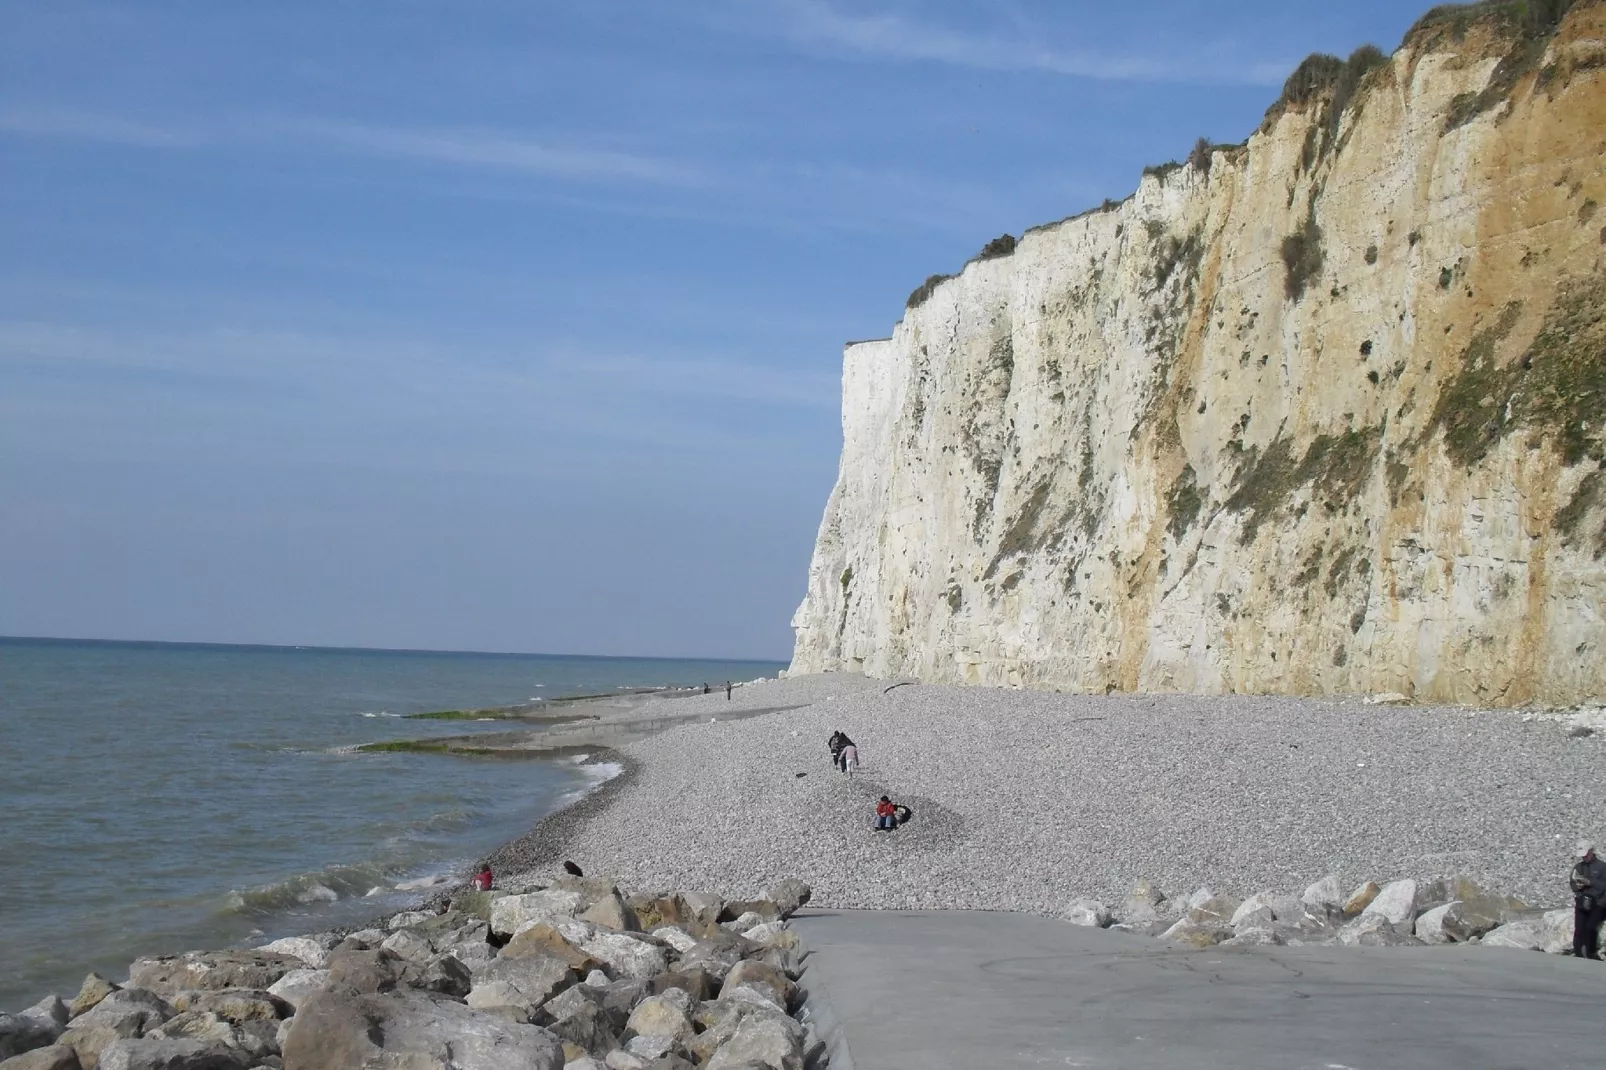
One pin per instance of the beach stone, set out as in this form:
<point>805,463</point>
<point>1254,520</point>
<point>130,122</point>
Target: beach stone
<point>512,911</point>
<point>788,895</point>
<point>1430,926</point>
<point>53,1057</point>
<point>589,889</point>
<point>173,1053</point>
<point>1254,936</point>
<point>407,918</point>
<point>523,982</point>
<point>1089,912</point>
<point>611,912</point>
<point>626,956</point>
<point>762,1040</point>
<point>619,998</point>
<point>1372,930</point>
<point>655,911</point>
<point>340,1030</point>
<point>50,1010</point>
<point>94,989</point>
<point>312,954</point>
<point>1396,901</point>
<point>541,939</point>
<point>361,940</point>
<point>1200,934</point>
<point>585,1062</point>
<point>766,979</point>
<point>1254,913</point>
<point>125,1014</point>
<point>445,974</point>
<point>1323,897</point>
<point>598,979</point>
<point>476,904</point>
<point>624,1060</point>
<point>738,909</point>
<point>569,1001</point>
<point>772,934</point>
<point>235,1004</point>
<point>214,1032</point>
<point>652,1048</point>
<point>1522,934</point>
<point>1460,921</point>
<point>210,969</point>
<point>408,945</point>
<point>295,986</point>
<point>676,937</point>
<point>588,1029</point>
<point>367,971</point>
<point>1360,899</point>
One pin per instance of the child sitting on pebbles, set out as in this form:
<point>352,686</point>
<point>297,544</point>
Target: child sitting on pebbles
<point>886,814</point>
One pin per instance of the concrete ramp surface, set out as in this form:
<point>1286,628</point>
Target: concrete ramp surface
<point>967,990</point>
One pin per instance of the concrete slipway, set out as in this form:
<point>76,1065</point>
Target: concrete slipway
<point>966,990</point>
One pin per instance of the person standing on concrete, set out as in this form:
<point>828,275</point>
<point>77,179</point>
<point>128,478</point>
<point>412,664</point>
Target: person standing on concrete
<point>1588,882</point>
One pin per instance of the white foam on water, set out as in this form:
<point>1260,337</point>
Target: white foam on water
<point>317,893</point>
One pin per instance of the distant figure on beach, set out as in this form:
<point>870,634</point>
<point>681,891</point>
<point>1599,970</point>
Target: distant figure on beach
<point>838,742</point>
<point>572,870</point>
<point>705,689</point>
<point>1588,884</point>
<point>481,881</point>
<point>727,690</point>
<point>850,759</point>
<point>886,815</point>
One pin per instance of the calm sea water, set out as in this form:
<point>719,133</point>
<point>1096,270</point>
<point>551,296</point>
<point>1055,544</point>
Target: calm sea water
<point>160,797</point>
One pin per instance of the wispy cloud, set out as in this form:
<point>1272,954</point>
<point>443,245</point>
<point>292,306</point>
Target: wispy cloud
<point>818,25</point>
<point>56,122</point>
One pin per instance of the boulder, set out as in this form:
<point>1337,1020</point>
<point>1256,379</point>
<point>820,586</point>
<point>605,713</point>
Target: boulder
<point>1088,912</point>
<point>367,971</point>
<point>1323,898</point>
<point>1254,913</point>
<point>619,998</point>
<point>210,1031</point>
<point>773,934</point>
<point>568,1002</point>
<point>585,1031</point>
<point>702,906</point>
<point>695,983</point>
<point>658,1016</point>
<point>361,940</point>
<point>406,944</point>
<point>512,911</point>
<point>1142,903</point>
<point>445,974</point>
<point>1461,920</point>
<point>295,986</point>
<point>166,1053</point>
<point>541,939</point>
<point>1556,932</point>
<point>735,909</point>
<point>235,1004</point>
<point>624,1060</point>
<point>1359,899</point>
<point>1199,934</point>
<point>340,1030</point>
<point>1254,936</point>
<point>762,1040</point>
<point>655,911</point>
<point>788,895</point>
<point>408,917</point>
<point>126,1014</point>
<point>654,1048</point>
<point>1373,930</point>
<point>585,1062</point>
<point>1430,925</point>
<point>719,1019</point>
<point>476,904</point>
<point>54,1057</point>
<point>611,912</point>
<point>1396,902</point>
<point>1523,934</point>
<point>1206,906</point>
<point>675,937</point>
<point>523,982</point>
<point>626,956</point>
<point>94,989</point>
<point>765,978</point>
<point>21,1033</point>
<point>589,889</point>
<point>210,969</point>
<point>311,953</point>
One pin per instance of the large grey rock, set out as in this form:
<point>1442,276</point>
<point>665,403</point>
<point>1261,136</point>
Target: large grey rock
<point>1372,930</point>
<point>761,1040</point>
<point>522,982</point>
<point>54,1057</point>
<point>703,906</point>
<point>410,945</point>
<point>126,1014</point>
<point>210,969</point>
<point>445,974</point>
<point>1396,901</point>
<point>512,911</point>
<point>661,1016</point>
<point>1254,936</point>
<point>789,895</point>
<point>1359,899</point>
<point>295,986</point>
<point>235,1004</point>
<point>1208,906</point>
<point>312,953</point>
<point>1253,913</point>
<point>611,912</point>
<point>367,971</point>
<point>770,934</point>
<point>585,1031</point>
<point>1089,912</point>
<point>1556,932</point>
<point>626,956</point>
<point>23,1033</point>
<point>340,1030</point>
<point>167,1053</point>
<point>1460,921</point>
<point>719,1019</point>
<point>407,918</point>
<point>1523,934</point>
<point>1323,897</point>
<point>541,939</point>
<point>1200,934</point>
<point>94,989</point>
<point>765,978</point>
<point>1430,927</point>
<point>1142,903</point>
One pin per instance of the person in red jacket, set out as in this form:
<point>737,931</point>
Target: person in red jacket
<point>481,881</point>
<point>886,814</point>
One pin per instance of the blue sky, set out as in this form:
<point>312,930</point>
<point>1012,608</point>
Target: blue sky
<point>517,326</point>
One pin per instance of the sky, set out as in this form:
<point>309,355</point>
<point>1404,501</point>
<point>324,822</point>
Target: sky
<point>517,326</point>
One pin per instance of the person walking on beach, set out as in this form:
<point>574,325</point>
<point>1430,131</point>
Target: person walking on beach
<point>850,759</point>
<point>727,690</point>
<point>705,689</point>
<point>1588,884</point>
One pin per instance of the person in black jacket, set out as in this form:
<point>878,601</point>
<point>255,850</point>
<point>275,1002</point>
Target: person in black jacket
<point>1588,882</point>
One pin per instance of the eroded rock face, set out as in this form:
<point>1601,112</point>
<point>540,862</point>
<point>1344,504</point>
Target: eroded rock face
<point>1305,420</point>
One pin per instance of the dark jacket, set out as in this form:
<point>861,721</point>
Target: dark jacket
<point>1589,877</point>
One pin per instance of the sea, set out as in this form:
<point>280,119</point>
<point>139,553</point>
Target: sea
<point>158,797</point>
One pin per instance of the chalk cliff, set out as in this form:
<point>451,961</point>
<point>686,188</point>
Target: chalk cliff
<point>1323,412</point>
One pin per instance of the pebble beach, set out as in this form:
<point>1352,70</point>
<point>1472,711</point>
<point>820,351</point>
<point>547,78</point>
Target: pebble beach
<point>1026,800</point>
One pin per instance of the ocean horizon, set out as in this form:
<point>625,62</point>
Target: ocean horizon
<point>175,795</point>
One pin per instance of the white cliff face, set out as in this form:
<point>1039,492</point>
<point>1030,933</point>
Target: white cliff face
<point>1135,454</point>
